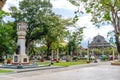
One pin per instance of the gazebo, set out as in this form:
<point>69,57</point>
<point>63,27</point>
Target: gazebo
<point>98,42</point>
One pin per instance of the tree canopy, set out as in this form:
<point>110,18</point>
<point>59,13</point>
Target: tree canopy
<point>7,43</point>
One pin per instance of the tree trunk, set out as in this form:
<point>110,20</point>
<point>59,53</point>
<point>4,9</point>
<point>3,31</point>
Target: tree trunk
<point>2,3</point>
<point>27,47</point>
<point>117,44</point>
<point>48,51</point>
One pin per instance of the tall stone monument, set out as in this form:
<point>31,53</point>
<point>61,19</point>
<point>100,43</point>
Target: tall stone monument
<point>20,56</point>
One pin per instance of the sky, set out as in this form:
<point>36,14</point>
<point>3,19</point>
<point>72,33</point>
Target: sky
<point>66,9</point>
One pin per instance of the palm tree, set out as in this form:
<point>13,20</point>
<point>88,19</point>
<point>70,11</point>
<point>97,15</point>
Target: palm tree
<point>2,3</point>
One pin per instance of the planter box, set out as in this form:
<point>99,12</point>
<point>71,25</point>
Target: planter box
<point>41,60</point>
<point>8,61</point>
<point>88,61</point>
<point>57,61</point>
<point>115,63</point>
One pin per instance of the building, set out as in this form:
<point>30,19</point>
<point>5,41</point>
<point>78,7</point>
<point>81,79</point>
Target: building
<point>98,42</point>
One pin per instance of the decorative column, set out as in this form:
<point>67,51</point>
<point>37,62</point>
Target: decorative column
<point>52,58</point>
<point>20,56</point>
<point>52,55</point>
<point>57,55</point>
<point>112,45</point>
<point>88,53</point>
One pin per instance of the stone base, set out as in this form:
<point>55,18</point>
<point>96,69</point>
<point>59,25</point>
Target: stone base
<point>24,59</point>
<point>20,63</point>
<point>11,66</point>
<point>20,59</point>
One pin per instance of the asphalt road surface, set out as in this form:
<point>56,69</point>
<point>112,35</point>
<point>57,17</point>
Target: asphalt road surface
<point>102,71</point>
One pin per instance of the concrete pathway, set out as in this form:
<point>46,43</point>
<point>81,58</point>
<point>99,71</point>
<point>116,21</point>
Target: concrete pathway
<point>93,71</point>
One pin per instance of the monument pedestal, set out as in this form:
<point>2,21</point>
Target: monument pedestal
<point>15,60</point>
<point>20,59</point>
<point>24,59</point>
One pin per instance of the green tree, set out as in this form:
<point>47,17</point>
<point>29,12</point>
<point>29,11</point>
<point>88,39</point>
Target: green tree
<point>107,51</point>
<point>84,52</point>
<point>2,15</point>
<point>7,43</point>
<point>98,52</point>
<point>34,14</point>
<point>74,39</point>
<point>56,32</point>
<point>103,11</point>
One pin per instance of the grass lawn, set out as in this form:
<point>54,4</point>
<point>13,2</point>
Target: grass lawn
<point>64,64</point>
<point>5,71</point>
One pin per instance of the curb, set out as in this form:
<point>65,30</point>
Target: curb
<point>35,69</point>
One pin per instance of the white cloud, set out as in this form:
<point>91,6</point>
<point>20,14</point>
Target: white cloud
<point>63,4</point>
<point>10,3</point>
<point>85,21</point>
<point>90,31</point>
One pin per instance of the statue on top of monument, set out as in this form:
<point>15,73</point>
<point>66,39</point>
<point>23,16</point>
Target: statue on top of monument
<point>18,49</point>
<point>21,26</point>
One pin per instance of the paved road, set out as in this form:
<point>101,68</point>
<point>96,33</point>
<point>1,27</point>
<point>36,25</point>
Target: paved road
<point>102,71</point>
